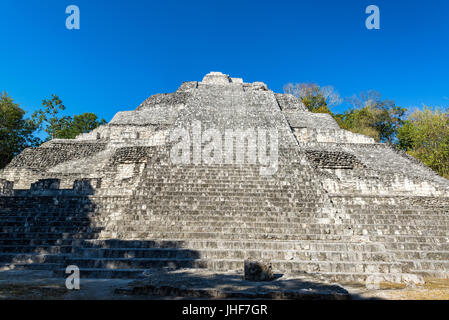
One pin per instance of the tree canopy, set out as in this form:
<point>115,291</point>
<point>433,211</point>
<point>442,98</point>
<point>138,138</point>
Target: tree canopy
<point>367,113</point>
<point>317,99</point>
<point>48,119</point>
<point>69,128</point>
<point>16,132</point>
<point>370,115</point>
<point>425,135</point>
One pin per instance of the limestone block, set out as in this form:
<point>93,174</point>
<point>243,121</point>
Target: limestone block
<point>6,187</point>
<point>216,78</point>
<point>258,271</point>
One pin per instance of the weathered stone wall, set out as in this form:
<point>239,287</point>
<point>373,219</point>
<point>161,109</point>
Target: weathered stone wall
<point>305,135</point>
<point>371,182</point>
<point>383,159</point>
<point>288,102</point>
<point>306,119</point>
<point>131,155</point>
<point>240,107</point>
<point>52,154</point>
<point>166,100</point>
<point>333,160</point>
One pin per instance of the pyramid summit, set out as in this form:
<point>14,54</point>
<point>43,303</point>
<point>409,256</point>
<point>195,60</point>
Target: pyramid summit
<point>217,172</point>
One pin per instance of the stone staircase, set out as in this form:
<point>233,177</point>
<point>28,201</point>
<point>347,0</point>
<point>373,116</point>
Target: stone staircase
<point>40,232</point>
<point>220,216</point>
<point>414,229</point>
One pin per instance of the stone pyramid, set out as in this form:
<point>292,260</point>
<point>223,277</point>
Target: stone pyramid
<point>324,201</point>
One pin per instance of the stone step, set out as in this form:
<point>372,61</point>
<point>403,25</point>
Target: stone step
<point>325,229</point>
<point>146,235</point>
<point>269,219</point>
<point>245,182</point>
<point>34,258</point>
<point>380,212</point>
<point>45,222</point>
<point>410,238</point>
<point>179,253</point>
<point>183,206</point>
<point>47,235</point>
<point>292,229</point>
<point>162,219</point>
<point>33,266</point>
<point>305,245</point>
<point>39,242</point>
<point>103,273</point>
<point>229,195</point>
<point>188,207</point>
<point>17,245</point>
<point>231,190</point>
<point>234,244</point>
<point>292,249</point>
<point>265,236</point>
<point>195,244</point>
<point>405,255</point>
<point>317,224</point>
<point>230,264</point>
<point>416,246</point>
<point>430,265</point>
<point>50,229</point>
<point>355,277</point>
<point>41,249</point>
<point>441,221</point>
<point>235,211</point>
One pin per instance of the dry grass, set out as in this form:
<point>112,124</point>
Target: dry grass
<point>433,289</point>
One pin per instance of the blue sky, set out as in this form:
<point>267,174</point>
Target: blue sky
<point>128,50</point>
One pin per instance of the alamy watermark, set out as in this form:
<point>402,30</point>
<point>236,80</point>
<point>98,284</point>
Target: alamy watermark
<point>73,20</point>
<point>212,146</point>
<point>73,280</point>
<point>373,20</point>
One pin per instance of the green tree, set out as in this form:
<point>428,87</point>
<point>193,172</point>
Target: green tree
<point>360,121</point>
<point>317,99</point>
<point>370,115</point>
<point>63,127</point>
<point>69,128</point>
<point>16,132</point>
<point>47,118</point>
<point>425,135</point>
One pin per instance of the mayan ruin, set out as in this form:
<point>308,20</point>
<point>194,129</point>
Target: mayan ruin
<point>278,184</point>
